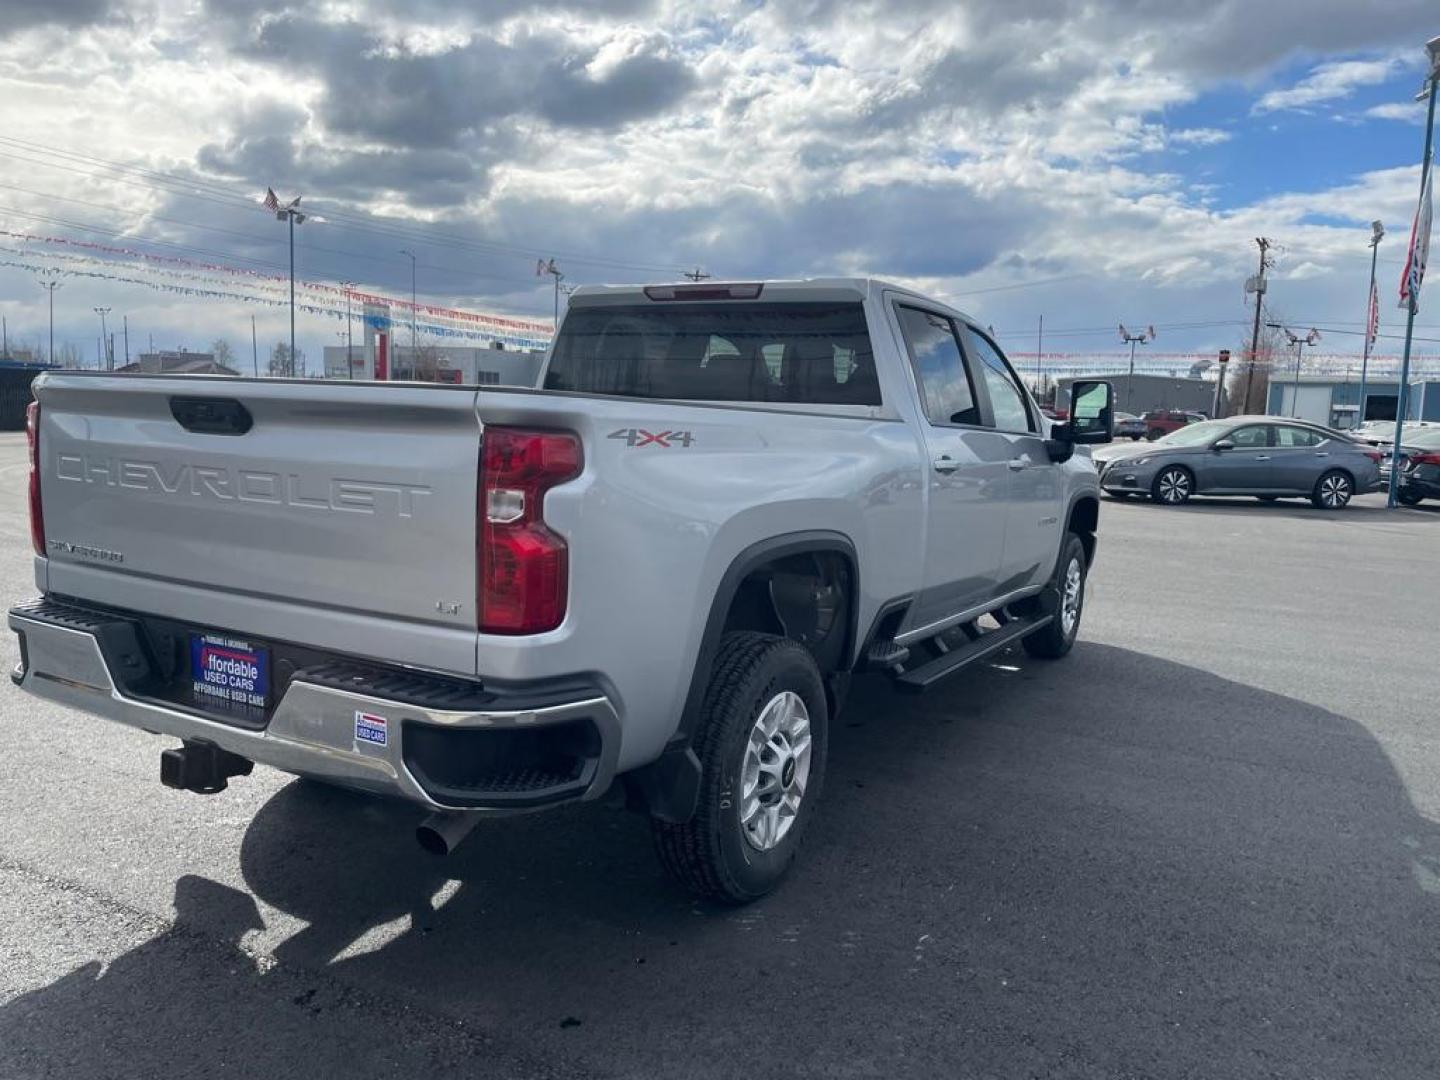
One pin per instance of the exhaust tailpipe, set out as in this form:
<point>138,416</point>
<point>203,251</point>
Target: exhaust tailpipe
<point>442,832</point>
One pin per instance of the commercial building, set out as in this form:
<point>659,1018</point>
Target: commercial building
<point>1139,394</point>
<point>382,351</point>
<point>176,363</point>
<point>1335,401</point>
<point>434,363</point>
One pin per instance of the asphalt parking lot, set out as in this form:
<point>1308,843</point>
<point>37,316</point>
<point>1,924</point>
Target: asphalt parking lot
<point>1205,845</point>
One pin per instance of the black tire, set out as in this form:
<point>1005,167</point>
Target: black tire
<point>1134,438</point>
<point>1333,490</point>
<point>1055,640</point>
<point>1409,498</point>
<point>711,854</point>
<point>1173,485</point>
<point>1154,433</point>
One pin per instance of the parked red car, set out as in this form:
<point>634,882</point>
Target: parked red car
<point>1163,421</point>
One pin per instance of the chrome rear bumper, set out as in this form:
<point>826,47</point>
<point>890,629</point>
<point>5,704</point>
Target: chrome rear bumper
<point>312,731</point>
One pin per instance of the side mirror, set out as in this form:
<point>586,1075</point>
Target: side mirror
<point>1092,414</point>
<point>1223,444</point>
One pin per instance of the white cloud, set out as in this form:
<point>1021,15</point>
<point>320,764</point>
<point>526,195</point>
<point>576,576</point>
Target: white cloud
<point>1412,111</point>
<point>1329,82</point>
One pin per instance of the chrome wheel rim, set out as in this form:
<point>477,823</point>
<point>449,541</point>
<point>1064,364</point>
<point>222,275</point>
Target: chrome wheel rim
<point>776,770</point>
<point>1334,491</point>
<point>1174,486</point>
<point>1070,598</point>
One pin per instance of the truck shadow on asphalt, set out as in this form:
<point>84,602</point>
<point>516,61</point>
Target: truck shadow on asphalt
<point>1113,865</point>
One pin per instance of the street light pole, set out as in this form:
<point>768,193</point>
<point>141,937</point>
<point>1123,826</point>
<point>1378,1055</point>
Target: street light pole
<point>50,287</point>
<point>1143,338</point>
<point>414,349</point>
<point>1372,316</point>
<point>1311,339</point>
<point>1431,91</point>
<point>349,336</point>
<point>103,361</point>
<point>292,215</point>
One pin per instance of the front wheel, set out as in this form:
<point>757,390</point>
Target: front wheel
<point>1409,498</point>
<point>1173,486</point>
<point>1058,636</point>
<point>1333,491</point>
<point>761,741</point>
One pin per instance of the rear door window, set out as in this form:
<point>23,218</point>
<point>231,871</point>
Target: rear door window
<point>1294,436</point>
<point>812,353</point>
<point>939,367</point>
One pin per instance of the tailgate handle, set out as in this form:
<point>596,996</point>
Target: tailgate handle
<point>211,416</point>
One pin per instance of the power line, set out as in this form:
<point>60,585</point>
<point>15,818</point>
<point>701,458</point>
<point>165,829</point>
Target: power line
<point>187,188</point>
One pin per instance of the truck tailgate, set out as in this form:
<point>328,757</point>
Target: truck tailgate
<point>342,517</point>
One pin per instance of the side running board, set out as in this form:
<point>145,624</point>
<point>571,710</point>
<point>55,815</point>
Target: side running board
<point>991,641</point>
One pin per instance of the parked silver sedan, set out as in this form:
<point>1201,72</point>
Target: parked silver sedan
<point>1265,456</point>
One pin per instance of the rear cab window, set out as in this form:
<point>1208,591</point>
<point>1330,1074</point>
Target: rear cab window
<point>803,352</point>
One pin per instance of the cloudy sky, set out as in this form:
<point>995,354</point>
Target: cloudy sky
<point>1091,163</point>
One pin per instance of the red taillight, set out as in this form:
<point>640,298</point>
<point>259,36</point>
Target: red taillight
<point>524,567</point>
<point>1423,459</point>
<point>37,515</point>
<point>1375,455</point>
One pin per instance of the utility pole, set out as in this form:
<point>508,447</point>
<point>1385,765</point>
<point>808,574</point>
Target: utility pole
<point>549,267</point>
<point>695,275</point>
<point>1372,317</point>
<point>1257,286</point>
<point>105,362</point>
<point>413,347</point>
<point>4,338</point>
<point>1311,339</point>
<point>126,320</point>
<point>254,349</point>
<point>1415,269</point>
<point>349,336</point>
<point>50,287</point>
<point>1143,338</point>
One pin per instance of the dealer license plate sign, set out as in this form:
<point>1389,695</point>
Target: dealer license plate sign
<point>228,672</point>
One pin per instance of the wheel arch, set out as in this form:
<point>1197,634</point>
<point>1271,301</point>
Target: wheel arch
<point>1083,520</point>
<point>669,786</point>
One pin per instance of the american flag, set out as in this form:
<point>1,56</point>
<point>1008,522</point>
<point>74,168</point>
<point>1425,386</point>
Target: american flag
<point>271,202</point>
<point>1419,252</point>
<point>1372,323</point>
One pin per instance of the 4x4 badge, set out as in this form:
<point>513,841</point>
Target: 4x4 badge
<point>641,437</point>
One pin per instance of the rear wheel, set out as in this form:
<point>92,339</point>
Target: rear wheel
<point>761,742</point>
<point>1173,486</point>
<point>1333,490</point>
<point>1057,638</point>
<point>1409,498</point>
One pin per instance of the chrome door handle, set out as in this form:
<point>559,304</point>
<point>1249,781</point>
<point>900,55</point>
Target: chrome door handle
<point>1016,464</point>
<point>1262,457</point>
<point>1322,453</point>
<point>945,464</point>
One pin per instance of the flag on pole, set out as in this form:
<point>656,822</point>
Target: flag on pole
<point>271,202</point>
<point>1372,322</point>
<point>1419,252</point>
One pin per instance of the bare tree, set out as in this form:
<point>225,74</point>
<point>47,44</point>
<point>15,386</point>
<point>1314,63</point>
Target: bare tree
<point>282,364</point>
<point>220,349</point>
<point>426,365</point>
<point>1249,392</point>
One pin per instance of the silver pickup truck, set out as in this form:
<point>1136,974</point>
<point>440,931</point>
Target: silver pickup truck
<point>660,568</point>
